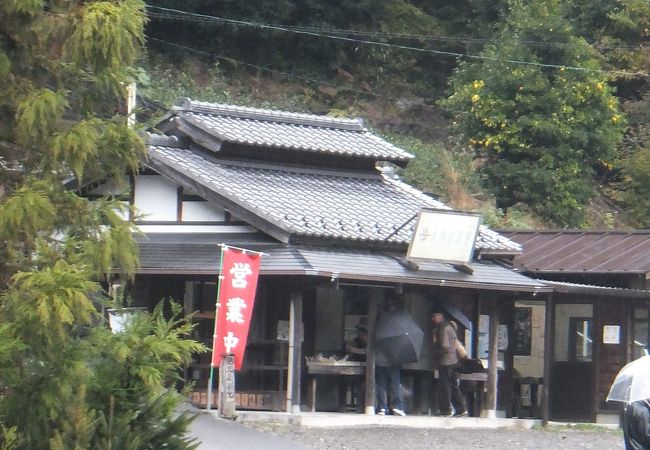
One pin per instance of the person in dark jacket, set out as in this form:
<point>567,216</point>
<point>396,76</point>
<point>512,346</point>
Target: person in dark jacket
<point>357,348</point>
<point>387,375</point>
<point>446,361</point>
<point>636,425</point>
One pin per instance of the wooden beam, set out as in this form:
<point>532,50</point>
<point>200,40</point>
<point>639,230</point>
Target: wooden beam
<point>549,356</point>
<point>596,349</point>
<point>373,302</point>
<point>295,353</point>
<point>629,336</point>
<point>465,268</point>
<point>475,330</point>
<point>179,204</point>
<point>493,356</point>
<point>131,196</point>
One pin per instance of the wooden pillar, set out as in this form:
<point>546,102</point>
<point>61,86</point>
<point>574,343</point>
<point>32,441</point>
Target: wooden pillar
<point>373,303</point>
<point>596,349</point>
<point>493,353</point>
<point>629,331</point>
<point>295,353</point>
<point>475,326</point>
<point>549,356</point>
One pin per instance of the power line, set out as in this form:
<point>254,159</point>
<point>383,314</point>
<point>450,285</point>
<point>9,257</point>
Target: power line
<point>299,77</point>
<point>190,16</point>
<point>331,34</point>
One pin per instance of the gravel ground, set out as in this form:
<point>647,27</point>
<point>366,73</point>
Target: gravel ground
<point>387,437</point>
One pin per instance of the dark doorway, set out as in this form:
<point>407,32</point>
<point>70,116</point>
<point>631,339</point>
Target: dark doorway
<point>573,368</point>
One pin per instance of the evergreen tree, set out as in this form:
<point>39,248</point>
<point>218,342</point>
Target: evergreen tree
<point>64,66</point>
<point>623,43</point>
<point>539,130</point>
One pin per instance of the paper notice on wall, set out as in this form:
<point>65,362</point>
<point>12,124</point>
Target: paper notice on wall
<point>611,334</point>
<point>483,336</point>
<point>503,337</point>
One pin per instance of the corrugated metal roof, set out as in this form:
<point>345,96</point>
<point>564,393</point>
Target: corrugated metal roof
<point>358,206</point>
<point>184,254</point>
<point>291,131</point>
<point>583,251</point>
<point>590,289</point>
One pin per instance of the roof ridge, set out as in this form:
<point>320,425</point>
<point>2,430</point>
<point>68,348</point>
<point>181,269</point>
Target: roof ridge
<point>400,184</point>
<point>163,140</point>
<point>573,231</point>
<point>268,115</point>
<point>299,169</point>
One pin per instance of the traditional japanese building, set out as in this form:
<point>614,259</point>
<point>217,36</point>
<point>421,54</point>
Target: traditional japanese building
<point>319,197</point>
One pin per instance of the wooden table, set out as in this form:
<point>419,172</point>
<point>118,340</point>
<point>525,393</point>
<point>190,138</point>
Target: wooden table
<point>346,369</point>
<point>336,368</point>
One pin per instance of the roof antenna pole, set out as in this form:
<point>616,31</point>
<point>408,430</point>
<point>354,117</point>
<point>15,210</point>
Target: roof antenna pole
<point>398,229</point>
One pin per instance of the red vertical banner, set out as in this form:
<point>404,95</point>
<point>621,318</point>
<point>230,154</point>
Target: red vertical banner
<point>240,271</point>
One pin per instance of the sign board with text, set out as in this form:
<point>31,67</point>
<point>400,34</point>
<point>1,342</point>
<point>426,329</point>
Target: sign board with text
<point>444,235</point>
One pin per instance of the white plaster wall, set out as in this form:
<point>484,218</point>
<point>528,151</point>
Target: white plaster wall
<point>155,198</point>
<point>533,365</point>
<point>124,212</point>
<point>202,212</point>
<point>562,315</point>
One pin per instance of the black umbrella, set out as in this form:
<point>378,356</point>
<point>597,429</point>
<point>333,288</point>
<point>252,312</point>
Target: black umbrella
<point>398,337</point>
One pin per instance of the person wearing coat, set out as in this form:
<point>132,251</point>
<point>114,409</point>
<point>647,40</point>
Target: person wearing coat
<point>446,360</point>
<point>636,425</point>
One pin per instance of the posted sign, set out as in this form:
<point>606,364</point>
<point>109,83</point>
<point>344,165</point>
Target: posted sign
<point>444,235</point>
<point>239,271</point>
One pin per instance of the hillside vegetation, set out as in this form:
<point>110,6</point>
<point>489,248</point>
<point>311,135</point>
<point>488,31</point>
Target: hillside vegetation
<point>535,113</point>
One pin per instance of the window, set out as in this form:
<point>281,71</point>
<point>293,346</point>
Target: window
<point>580,339</point>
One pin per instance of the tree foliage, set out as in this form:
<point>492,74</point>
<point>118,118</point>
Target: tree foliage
<point>66,382</point>
<point>594,34</point>
<point>540,129</point>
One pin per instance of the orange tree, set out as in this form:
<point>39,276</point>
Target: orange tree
<point>538,129</point>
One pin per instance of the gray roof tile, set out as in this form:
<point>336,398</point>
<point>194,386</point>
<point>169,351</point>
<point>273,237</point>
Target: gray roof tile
<point>360,206</point>
<point>278,129</point>
<point>199,255</point>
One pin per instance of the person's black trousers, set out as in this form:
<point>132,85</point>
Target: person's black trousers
<point>449,391</point>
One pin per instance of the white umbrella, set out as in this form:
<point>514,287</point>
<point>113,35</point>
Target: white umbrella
<point>632,382</point>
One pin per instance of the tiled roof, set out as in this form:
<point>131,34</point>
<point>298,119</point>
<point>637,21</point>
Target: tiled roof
<point>358,206</point>
<point>196,255</point>
<point>291,131</point>
<point>583,251</point>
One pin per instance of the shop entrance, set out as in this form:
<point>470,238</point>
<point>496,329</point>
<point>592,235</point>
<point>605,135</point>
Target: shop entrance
<point>573,369</point>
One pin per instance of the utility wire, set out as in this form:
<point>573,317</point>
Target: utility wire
<point>299,77</point>
<point>437,52</point>
<point>388,45</point>
<point>190,16</point>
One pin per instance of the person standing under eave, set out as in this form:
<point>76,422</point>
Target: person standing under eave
<point>445,356</point>
<point>388,373</point>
